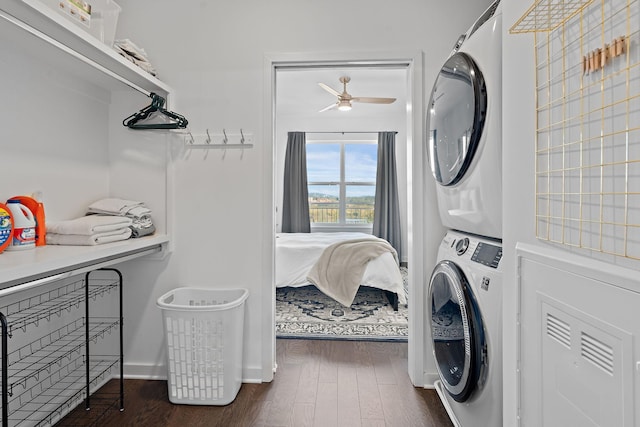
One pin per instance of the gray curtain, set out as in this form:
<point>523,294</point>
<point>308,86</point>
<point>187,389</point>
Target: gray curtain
<point>295,199</point>
<point>386,220</point>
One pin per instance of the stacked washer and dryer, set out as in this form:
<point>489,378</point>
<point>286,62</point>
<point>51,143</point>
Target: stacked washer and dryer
<point>464,298</point>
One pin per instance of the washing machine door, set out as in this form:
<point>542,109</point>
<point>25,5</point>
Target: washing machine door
<point>457,111</point>
<point>457,331</point>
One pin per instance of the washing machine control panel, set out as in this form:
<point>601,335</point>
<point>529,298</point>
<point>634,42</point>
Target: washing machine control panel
<point>487,254</point>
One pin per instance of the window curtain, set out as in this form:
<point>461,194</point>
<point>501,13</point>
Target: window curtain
<point>386,219</point>
<point>295,198</point>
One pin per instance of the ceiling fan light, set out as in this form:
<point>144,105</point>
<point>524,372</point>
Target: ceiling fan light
<point>344,106</point>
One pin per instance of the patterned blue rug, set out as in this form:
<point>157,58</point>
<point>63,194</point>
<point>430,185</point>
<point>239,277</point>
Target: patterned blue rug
<point>309,314</point>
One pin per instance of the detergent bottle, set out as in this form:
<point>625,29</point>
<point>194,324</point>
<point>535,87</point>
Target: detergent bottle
<point>24,227</point>
<point>37,209</point>
<point>6,227</point>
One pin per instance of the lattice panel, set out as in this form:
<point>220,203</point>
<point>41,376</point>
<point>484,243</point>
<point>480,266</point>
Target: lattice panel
<point>588,124</point>
<point>546,15</point>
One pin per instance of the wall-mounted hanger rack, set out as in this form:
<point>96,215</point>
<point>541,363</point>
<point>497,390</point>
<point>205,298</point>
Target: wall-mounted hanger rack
<point>219,140</point>
<point>155,116</point>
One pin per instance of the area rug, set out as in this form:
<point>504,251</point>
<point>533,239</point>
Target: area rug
<point>309,314</point>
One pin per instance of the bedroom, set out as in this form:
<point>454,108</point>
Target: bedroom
<point>299,99</point>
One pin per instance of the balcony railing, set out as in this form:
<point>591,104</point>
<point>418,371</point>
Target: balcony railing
<point>330,214</point>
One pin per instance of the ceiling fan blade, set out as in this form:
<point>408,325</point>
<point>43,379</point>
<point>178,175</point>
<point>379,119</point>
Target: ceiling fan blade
<point>329,107</point>
<point>373,100</point>
<point>329,89</point>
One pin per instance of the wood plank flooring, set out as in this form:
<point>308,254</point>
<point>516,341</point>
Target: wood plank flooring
<point>317,383</point>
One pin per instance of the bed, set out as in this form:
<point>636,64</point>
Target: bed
<point>298,253</point>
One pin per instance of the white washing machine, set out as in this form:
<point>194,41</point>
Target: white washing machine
<point>465,130</point>
<point>465,306</point>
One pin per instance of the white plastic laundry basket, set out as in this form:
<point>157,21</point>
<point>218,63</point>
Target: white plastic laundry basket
<point>204,334</point>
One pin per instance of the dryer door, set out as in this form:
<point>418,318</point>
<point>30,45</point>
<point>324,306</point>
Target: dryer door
<point>457,331</point>
<point>457,111</point>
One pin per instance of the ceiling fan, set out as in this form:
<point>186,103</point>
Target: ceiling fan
<point>344,99</point>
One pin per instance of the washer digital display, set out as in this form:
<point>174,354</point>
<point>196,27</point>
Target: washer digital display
<point>487,254</point>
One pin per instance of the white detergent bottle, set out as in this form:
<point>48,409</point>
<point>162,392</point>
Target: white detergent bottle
<point>24,227</point>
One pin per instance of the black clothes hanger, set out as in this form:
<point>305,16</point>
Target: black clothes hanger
<point>154,116</point>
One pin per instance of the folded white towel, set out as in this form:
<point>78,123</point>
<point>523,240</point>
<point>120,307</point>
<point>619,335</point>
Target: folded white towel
<point>138,212</point>
<point>113,206</point>
<point>89,225</point>
<point>83,240</point>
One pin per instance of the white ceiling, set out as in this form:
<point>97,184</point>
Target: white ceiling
<point>298,92</point>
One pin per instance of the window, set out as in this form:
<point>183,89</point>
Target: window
<point>342,182</point>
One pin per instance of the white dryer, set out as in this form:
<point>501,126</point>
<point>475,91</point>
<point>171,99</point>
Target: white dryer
<point>464,300</point>
<point>464,127</point>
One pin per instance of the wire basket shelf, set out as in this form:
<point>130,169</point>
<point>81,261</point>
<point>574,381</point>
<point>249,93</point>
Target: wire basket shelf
<point>587,56</point>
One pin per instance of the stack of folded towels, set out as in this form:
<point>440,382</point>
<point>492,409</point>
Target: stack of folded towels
<point>140,215</point>
<point>89,230</point>
<point>107,220</point>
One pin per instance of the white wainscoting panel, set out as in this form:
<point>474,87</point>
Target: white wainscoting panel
<point>578,340</point>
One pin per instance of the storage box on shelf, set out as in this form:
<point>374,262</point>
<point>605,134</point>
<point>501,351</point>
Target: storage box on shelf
<point>107,14</point>
<point>98,17</point>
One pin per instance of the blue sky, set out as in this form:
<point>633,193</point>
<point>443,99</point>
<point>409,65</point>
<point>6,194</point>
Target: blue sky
<point>323,162</point>
<point>323,165</point>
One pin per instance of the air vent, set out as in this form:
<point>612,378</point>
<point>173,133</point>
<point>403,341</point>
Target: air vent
<point>559,330</point>
<point>597,352</point>
<point>484,18</point>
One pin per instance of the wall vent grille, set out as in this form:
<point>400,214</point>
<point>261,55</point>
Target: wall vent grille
<point>559,330</point>
<point>597,352</point>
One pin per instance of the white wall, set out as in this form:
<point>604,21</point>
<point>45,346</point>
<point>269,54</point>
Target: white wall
<point>212,54</point>
<point>48,144</point>
<point>518,108</point>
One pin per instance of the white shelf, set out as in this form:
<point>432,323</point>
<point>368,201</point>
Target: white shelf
<point>51,28</point>
<point>39,30</point>
<point>40,263</point>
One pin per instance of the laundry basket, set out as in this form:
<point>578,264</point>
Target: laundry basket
<point>204,334</point>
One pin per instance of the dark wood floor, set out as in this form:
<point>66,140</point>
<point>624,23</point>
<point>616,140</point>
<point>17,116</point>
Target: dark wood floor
<point>318,383</point>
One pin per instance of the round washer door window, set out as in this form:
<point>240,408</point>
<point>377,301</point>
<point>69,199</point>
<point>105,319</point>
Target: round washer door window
<point>457,331</point>
<point>457,111</point>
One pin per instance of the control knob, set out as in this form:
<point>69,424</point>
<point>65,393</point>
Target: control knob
<point>462,245</point>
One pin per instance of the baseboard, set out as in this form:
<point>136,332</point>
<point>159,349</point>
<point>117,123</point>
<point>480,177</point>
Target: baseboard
<point>145,371</point>
<point>158,372</point>
<point>430,380</point>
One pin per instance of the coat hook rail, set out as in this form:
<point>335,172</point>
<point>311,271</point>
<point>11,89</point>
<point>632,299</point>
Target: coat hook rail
<point>219,140</point>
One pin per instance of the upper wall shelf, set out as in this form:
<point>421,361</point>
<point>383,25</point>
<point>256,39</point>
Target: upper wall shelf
<point>546,15</point>
<point>45,24</point>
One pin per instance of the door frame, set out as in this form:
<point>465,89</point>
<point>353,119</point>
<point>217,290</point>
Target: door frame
<point>416,167</point>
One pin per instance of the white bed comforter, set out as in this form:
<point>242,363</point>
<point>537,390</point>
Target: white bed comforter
<point>296,254</point>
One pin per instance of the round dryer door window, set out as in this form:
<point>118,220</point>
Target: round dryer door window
<point>457,111</point>
<point>457,331</point>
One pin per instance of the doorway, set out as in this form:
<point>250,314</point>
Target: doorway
<point>281,109</point>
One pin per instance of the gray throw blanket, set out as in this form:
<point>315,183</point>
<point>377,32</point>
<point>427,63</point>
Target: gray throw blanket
<point>339,270</point>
